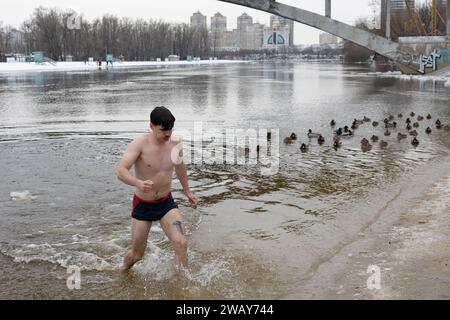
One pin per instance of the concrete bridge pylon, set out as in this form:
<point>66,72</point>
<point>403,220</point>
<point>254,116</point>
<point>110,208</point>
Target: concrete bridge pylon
<point>378,44</point>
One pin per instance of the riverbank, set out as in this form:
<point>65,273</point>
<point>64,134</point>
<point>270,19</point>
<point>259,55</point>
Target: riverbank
<point>443,78</point>
<point>409,243</point>
<point>90,66</point>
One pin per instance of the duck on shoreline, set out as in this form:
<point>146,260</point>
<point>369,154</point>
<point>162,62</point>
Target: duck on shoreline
<point>288,140</point>
<point>313,134</point>
<point>337,143</point>
<point>401,136</point>
<point>321,140</point>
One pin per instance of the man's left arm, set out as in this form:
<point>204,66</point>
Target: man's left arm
<point>181,171</point>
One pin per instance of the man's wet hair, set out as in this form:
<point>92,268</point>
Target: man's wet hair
<point>161,116</point>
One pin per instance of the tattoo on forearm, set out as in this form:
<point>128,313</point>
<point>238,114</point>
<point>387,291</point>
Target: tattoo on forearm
<point>179,226</point>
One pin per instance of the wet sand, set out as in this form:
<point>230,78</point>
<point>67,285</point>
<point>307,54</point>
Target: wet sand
<point>411,248</point>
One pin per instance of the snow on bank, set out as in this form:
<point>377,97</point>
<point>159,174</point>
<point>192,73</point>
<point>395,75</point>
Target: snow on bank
<point>81,66</point>
<point>398,75</point>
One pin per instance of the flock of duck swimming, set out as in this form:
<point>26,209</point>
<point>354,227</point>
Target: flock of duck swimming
<point>413,124</point>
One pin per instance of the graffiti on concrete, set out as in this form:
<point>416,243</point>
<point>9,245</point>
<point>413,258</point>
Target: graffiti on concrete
<point>429,61</point>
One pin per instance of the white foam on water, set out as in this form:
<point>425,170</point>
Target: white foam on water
<point>210,272</point>
<point>399,75</point>
<point>157,263</point>
<point>22,196</point>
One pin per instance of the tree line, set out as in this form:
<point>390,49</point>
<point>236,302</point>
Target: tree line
<point>61,33</point>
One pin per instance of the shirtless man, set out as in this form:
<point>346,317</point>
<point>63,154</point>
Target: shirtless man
<point>151,155</point>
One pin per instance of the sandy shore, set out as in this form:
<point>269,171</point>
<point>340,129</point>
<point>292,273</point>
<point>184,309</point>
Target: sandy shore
<point>410,243</point>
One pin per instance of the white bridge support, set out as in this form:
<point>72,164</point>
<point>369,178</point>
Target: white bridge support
<point>328,8</point>
<point>361,37</point>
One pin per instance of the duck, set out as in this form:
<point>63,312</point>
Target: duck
<point>386,120</point>
<point>415,142</point>
<point>438,122</point>
<point>419,118</point>
<point>288,140</point>
<point>428,130</point>
<point>412,114</point>
<point>354,126</point>
<point>413,133</point>
<point>312,134</point>
<point>332,123</point>
<point>293,136</point>
<point>349,133</point>
<point>391,125</point>
<point>400,115</point>
<point>365,145</point>
<point>346,129</point>
<point>303,148</point>
<point>401,136</point>
<point>366,119</point>
<point>429,117</point>
<point>387,133</point>
<point>408,120</point>
<point>337,143</point>
<point>321,140</point>
<point>374,138</point>
<point>383,144</point>
<point>416,125</point>
<point>375,124</point>
<point>408,127</point>
<point>358,121</point>
<point>391,117</point>
<point>338,132</point>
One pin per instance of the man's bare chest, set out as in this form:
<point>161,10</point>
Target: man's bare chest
<point>156,160</point>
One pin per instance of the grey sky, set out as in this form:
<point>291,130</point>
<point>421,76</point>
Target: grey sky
<point>347,11</point>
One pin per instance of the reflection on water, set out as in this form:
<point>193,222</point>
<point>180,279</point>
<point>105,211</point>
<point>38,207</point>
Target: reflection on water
<point>252,236</point>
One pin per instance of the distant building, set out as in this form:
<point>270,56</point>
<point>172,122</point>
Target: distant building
<point>400,5</point>
<point>398,8</point>
<point>244,21</point>
<point>218,31</point>
<point>278,34</point>
<point>284,23</point>
<point>249,35</point>
<point>198,21</point>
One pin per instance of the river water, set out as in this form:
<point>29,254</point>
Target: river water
<point>253,235</point>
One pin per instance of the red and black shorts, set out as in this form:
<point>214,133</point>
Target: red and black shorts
<point>155,210</point>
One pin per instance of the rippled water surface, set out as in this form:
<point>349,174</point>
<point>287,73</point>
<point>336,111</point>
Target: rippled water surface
<point>252,235</point>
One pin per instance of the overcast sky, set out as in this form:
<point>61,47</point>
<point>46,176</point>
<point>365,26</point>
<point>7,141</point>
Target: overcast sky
<point>16,11</point>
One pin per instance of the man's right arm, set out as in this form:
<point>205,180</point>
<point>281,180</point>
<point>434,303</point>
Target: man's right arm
<point>128,160</point>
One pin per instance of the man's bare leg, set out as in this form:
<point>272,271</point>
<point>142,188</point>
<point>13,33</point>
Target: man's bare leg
<point>172,224</point>
<point>139,234</point>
